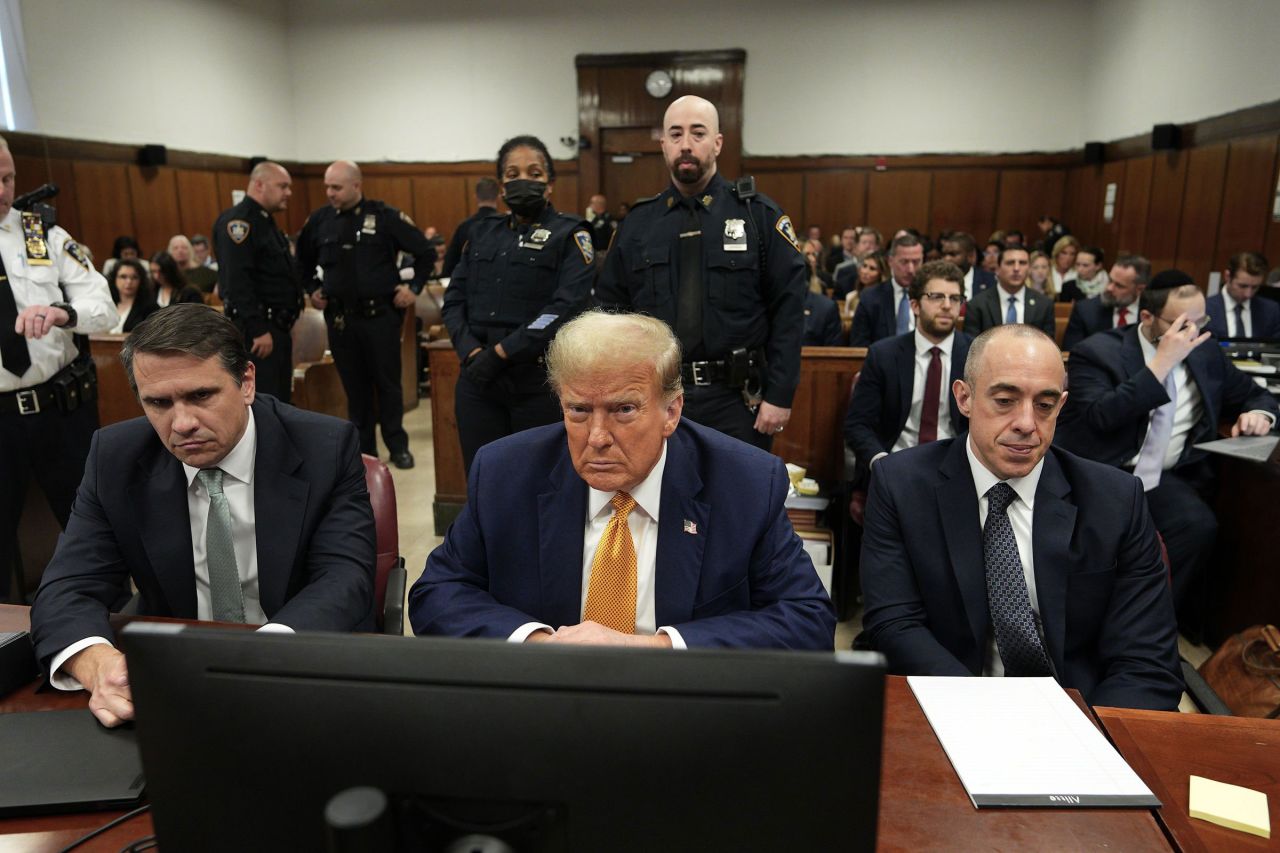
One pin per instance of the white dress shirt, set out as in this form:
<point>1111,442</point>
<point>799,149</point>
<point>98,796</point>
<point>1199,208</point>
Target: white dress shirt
<point>910,435</point>
<point>1247,316</point>
<point>33,284</point>
<point>1020,512</point>
<point>898,293</point>
<point>1019,303</point>
<point>1060,280</point>
<point>237,485</point>
<point>1186,413</point>
<point>643,524</point>
<point>968,285</point>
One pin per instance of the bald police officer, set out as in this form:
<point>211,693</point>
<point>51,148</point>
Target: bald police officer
<point>722,266</point>
<point>257,278</point>
<point>347,256</point>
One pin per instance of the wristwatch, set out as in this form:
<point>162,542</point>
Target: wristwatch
<point>72,316</point>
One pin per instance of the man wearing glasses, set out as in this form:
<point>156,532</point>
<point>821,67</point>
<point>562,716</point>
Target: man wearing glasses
<point>1143,396</point>
<point>901,398</point>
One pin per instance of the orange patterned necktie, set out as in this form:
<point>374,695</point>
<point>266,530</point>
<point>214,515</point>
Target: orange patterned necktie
<point>611,591</point>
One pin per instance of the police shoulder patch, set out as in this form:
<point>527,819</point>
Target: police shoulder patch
<point>76,251</point>
<point>786,229</point>
<point>404,216</point>
<point>238,230</point>
<point>583,239</point>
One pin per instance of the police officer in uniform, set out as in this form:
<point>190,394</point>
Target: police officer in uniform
<point>48,392</point>
<point>722,266</point>
<point>522,275</point>
<point>486,205</point>
<point>257,279</point>
<point>354,242</point>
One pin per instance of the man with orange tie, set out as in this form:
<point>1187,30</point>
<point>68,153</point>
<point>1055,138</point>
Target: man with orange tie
<point>623,525</point>
<point>1116,307</point>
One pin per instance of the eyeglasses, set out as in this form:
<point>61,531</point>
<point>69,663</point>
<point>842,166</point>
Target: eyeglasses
<point>939,298</point>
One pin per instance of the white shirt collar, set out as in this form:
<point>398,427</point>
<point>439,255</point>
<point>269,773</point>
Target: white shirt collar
<point>1231,304</point>
<point>239,462</point>
<point>983,479</point>
<point>1148,348</point>
<point>647,495</point>
<point>1021,295</point>
<point>923,344</point>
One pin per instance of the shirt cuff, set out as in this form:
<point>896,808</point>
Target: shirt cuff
<point>677,641</point>
<point>877,458</point>
<point>522,633</point>
<point>1265,414</point>
<point>61,680</point>
<point>275,628</point>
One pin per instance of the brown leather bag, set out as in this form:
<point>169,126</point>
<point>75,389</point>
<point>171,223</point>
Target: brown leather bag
<point>1245,672</point>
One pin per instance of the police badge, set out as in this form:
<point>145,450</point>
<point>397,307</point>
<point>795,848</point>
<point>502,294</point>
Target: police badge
<point>735,235</point>
<point>370,224</point>
<point>238,230</point>
<point>33,234</point>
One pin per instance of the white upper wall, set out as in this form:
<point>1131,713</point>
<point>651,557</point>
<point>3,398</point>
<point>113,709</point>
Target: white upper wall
<point>315,80</point>
<point>199,75</point>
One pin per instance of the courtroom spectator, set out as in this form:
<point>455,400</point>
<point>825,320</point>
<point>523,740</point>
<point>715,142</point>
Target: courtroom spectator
<point>961,249</point>
<point>991,256</point>
<point>1233,311</point>
<point>601,223</point>
<point>814,232</point>
<point>1038,274</point>
<point>884,310</point>
<point>819,280</point>
<point>997,237</point>
<point>902,397</point>
<point>1142,397</point>
<point>132,292</point>
<point>821,317</point>
<point>1064,264</point>
<point>1116,307</point>
<point>1090,278</point>
<point>869,240</point>
<point>872,269</point>
<point>848,253</point>
<point>1014,237</point>
<point>124,247</point>
<point>204,252</point>
<point>486,194</point>
<point>1010,301</point>
<point>170,283</point>
<point>932,250</point>
<point>1052,231</point>
<point>184,255</point>
<point>996,554</point>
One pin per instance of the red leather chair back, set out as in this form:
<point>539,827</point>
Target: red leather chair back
<point>382,496</point>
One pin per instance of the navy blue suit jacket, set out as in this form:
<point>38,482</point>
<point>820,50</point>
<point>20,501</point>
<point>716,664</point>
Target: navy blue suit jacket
<point>730,569</point>
<point>1264,314</point>
<point>881,400</point>
<point>982,279</point>
<point>314,531</point>
<point>1103,591</point>
<point>876,317</point>
<point>988,308</point>
<point>821,322</point>
<point>1112,395</point>
<point>1088,317</point>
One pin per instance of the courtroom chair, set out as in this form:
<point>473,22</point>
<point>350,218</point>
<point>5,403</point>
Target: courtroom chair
<point>389,571</point>
<point>310,337</point>
<point>212,300</point>
<point>1060,329</point>
<point>1062,310</point>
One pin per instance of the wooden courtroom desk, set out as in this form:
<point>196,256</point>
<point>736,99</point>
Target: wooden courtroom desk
<point>1165,749</point>
<point>922,803</point>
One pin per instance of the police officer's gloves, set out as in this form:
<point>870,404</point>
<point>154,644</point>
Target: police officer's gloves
<point>484,367</point>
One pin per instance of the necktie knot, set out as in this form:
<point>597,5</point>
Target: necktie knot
<point>999,497</point>
<point>935,351</point>
<point>623,503</point>
<point>212,480</point>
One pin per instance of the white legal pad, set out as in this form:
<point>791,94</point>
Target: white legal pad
<point>1023,742</point>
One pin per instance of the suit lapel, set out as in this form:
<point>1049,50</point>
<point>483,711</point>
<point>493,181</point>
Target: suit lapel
<point>279,505</point>
<point>1052,525</point>
<point>957,500</point>
<point>680,546</point>
<point>562,513</point>
<point>959,353</point>
<point>1131,360</point>
<point>159,498</point>
<point>906,378</point>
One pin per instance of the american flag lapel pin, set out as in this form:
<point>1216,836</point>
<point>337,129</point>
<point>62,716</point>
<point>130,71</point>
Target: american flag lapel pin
<point>690,527</point>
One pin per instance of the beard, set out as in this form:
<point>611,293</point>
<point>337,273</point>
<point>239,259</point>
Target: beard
<point>937,326</point>
<point>1108,301</point>
<point>688,176</point>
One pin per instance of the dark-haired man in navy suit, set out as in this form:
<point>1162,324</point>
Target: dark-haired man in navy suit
<point>1116,307</point>
<point>1233,312</point>
<point>996,554</point>
<point>903,393</point>
<point>1010,301</point>
<point>623,525</point>
<point>884,309</point>
<point>219,504</point>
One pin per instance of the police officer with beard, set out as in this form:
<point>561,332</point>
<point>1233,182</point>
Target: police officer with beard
<point>522,275</point>
<point>722,266</point>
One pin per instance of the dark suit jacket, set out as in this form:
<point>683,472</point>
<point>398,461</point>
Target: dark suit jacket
<point>876,316</point>
<point>881,400</point>
<point>821,322</point>
<point>982,279</point>
<point>1088,317</point>
<point>514,555</point>
<point>139,312</point>
<point>1103,592</point>
<point>314,529</point>
<point>1112,394</point>
<point>987,309</point>
<point>1264,314</point>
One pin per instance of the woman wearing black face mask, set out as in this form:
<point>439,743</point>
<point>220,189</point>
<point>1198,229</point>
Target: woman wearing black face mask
<point>521,276</point>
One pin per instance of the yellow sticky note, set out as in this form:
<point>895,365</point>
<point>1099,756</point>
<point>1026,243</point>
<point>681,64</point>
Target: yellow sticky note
<point>1230,805</point>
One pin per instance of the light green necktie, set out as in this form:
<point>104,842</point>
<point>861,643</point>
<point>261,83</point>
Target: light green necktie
<point>226,596</point>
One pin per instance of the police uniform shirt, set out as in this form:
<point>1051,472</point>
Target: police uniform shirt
<point>517,283</point>
<point>744,306</point>
<point>36,284</point>
<point>357,250</point>
<point>255,269</point>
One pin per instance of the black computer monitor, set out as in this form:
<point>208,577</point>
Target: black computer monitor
<point>245,737</point>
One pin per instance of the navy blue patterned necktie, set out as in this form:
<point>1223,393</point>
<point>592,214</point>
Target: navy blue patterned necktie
<point>1015,624</point>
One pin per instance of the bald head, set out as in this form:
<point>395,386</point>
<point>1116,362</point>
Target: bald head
<point>691,141</point>
<point>342,184</point>
<point>270,186</point>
